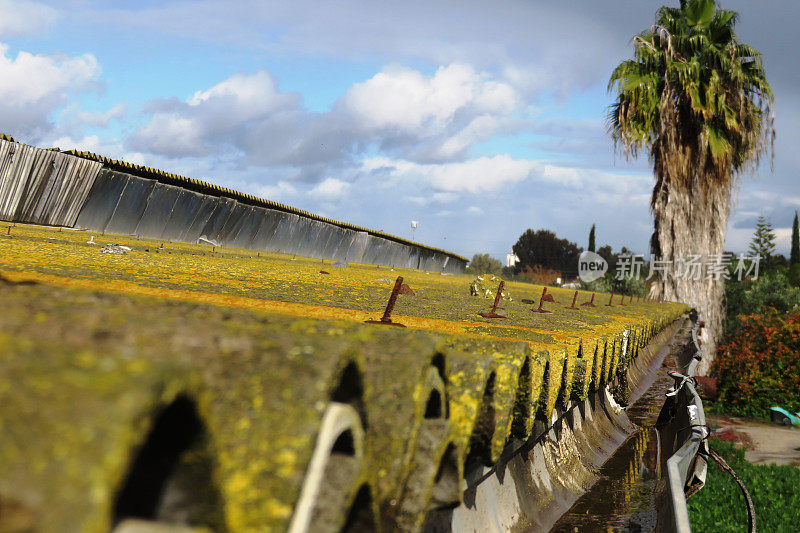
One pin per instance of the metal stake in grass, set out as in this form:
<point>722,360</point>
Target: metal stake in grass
<point>542,299</point>
<point>590,303</point>
<point>386,319</point>
<point>492,313</point>
<point>574,299</point>
<point>609,300</point>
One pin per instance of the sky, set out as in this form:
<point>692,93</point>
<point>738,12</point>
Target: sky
<point>477,119</point>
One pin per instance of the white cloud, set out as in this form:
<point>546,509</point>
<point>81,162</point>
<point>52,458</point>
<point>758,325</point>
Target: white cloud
<point>213,119</point>
<point>32,78</point>
<point>403,100</point>
<point>241,97</point>
<point>430,118</point>
<point>330,189</point>
<point>19,17</point>
<point>108,147</point>
<point>399,110</point>
<point>280,191</point>
<point>501,175</point>
<point>564,175</point>
<point>475,210</point>
<point>33,86</point>
<point>483,174</point>
<point>90,143</point>
<point>480,175</point>
<point>433,198</point>
<point>172,134</point>
<point>101,119</point>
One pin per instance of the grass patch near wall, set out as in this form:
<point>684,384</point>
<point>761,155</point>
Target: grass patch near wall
<point>720,506</point>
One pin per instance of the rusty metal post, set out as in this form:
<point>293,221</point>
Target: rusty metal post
<point>574,299</point>
<point>590,303</point>
<point>541,300</point>
<point>493,312</point>
<point>609,300</point>
<point>386,319</point>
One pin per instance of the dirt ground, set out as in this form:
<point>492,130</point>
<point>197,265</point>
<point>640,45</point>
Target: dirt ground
<point>766,442</point>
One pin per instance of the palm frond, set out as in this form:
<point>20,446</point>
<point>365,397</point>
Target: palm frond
<point>718,144</point>
<point>699,12</point>
<point>693,93</point>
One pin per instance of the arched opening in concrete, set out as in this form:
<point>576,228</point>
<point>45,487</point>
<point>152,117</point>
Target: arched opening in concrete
<point>434,405</point>
<point>333,472</point>
<point>344,444</point>
<point>522,415</point>
<point>350,390</point>
<point>541,404</point>
<point>446,494</point>
<point>361,517</point>
<point>402,512</point>
<point>165,483</point>
<point>446,488</point>
<point>480,442</point>
<point>438,362</point>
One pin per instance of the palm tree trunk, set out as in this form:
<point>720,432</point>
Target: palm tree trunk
<point>691,221</point>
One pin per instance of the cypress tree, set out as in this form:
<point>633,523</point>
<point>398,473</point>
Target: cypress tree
<point>795,255</point>
<point>591,235</point>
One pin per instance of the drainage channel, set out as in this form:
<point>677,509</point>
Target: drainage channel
<point>622,499</point>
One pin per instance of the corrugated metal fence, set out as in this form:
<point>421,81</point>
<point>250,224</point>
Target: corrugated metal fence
<point>53,188</point>
<point>43,186</point>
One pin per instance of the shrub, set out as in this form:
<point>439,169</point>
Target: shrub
<point>484,264</point>
<point>749,297</point>
<point>608,283</point>
<point>538,275</point>
<point>759,365</point>
<point>794,275</point>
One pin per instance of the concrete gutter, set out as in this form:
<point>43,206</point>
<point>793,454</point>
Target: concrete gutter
<point>535,482</point>
<point>682,432</point>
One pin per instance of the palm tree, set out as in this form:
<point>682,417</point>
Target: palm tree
<point>700,102</point>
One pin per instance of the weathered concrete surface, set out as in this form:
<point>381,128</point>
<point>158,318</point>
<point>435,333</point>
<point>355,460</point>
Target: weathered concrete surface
<point>535,482</point>
<point>102,357</point>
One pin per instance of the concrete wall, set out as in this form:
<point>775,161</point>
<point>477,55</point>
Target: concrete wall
<point>52,188</point>
<point>43,186</point>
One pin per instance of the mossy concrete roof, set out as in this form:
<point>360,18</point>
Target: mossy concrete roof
<point>93,345</point>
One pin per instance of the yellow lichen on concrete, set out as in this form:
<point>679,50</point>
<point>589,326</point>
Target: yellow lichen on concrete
<point>94,346</point>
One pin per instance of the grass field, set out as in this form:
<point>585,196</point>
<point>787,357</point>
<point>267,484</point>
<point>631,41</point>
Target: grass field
<point>720,506</point>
